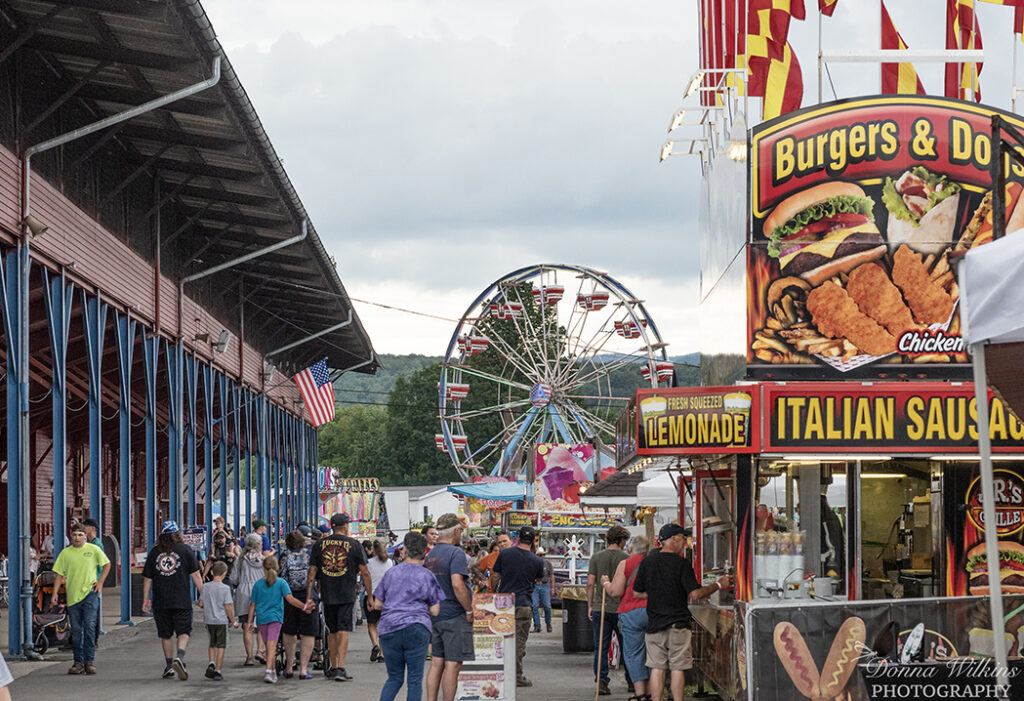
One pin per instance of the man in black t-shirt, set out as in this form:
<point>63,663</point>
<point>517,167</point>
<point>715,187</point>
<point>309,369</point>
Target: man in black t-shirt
<point>668,581</point>
<point>514,572</point>
<point>335,562</point>
<point>169,567</point>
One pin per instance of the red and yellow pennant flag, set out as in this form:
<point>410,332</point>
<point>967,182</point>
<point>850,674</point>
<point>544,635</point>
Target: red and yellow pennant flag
<point>773,69</point>
<point>1018,22</point>
<point>962,32</point>
<point>897,78</point>
<point>778,79</point>
<point>1006,3</point>
<point>827,7</point>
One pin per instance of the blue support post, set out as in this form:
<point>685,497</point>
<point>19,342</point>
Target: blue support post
<point>59,296</point>
<point>209,383</point>
<point>191,387</point>
<point>278,464</point>
<point>175,353</point>
<point>222,385</point>
<point>250,457</point>
<point>124,328</point>
<point>236,472</point>
<point>95,326</point>
<point>150,362</point>
<point>303,467</point>
<point>316,455</point>
<point>12,320</point>
<point>265,447</point>
<point>292,474</point>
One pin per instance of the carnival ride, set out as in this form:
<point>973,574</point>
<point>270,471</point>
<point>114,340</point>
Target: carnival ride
<point>532,362</point>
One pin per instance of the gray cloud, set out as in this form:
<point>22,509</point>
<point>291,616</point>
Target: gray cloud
<point>544,147</point>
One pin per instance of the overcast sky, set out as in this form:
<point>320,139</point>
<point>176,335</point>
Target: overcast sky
<point>438,144</point>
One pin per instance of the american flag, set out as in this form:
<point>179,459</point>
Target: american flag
<point>317,392</point>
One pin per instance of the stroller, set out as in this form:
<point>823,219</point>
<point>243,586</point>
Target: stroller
<point>50,626</point>
<point>318,660</point>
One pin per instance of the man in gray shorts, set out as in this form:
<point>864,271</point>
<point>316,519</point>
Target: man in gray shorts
<point>666,579</point>
<point>451,641</point>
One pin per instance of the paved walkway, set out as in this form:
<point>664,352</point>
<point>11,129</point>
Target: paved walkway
<point>130,662</point>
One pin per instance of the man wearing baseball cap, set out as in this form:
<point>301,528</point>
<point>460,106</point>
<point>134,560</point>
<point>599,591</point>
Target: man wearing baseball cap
<point>168,569</point>
<point>451,637</point>
<point>514,572</point>
<point>335,562</point>
<point>668,580</point>
<point>260,526</point>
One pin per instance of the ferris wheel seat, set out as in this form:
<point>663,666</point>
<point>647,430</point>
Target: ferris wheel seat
<point>548,294</point>
<point>592,301</point>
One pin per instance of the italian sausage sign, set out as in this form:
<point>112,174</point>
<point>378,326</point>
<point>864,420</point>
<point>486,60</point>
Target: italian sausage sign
<point>855,209</point>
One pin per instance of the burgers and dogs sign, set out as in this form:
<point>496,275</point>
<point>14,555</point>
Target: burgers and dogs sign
<point>856,207</point>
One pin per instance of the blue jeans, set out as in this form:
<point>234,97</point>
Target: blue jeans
<point>83,627</point>
<point>405,648</point>
<point>634,645</point>
<point>541,597</point>
<point>611,625</point>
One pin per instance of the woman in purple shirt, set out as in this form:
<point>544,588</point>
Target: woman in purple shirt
<point>407,596</point>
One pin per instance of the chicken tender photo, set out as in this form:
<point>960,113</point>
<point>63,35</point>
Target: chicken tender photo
<point>836,315</point>
<point>876,296</point>
<point>928,301</point>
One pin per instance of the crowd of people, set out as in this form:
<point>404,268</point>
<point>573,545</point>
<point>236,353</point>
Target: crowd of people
<point>417,601</point>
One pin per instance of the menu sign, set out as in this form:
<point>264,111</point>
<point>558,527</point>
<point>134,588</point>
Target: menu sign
<point>697,420</point>
<point>890,417</point>
<point>855,208</point>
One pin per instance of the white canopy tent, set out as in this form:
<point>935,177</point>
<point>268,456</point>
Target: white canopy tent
<point>992,298</point>
<point>658,491</point>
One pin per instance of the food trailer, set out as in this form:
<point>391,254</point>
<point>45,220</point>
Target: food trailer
<point>568,538</point>
<point>887,532</point>
<point>359,497</point>
<point>849,505</point>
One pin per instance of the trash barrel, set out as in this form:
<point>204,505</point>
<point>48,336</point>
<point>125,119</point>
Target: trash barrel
<point>136,580</point>
<point>577,630</point>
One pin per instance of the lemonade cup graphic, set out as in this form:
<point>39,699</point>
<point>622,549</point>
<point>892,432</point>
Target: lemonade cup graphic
<point>737,403</point>
<point>652,406</point>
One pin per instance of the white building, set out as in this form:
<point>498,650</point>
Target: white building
<point>408,505</point>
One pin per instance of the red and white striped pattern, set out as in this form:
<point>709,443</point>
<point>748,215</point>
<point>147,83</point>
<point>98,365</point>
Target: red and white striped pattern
<point>317,392</point>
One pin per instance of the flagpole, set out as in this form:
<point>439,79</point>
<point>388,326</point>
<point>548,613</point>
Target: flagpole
<point>1013,75</point>
<point>819,56</point>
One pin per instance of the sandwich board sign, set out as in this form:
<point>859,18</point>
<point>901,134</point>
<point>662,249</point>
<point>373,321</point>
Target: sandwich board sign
<point>195,538</point>
<point>855,209</point>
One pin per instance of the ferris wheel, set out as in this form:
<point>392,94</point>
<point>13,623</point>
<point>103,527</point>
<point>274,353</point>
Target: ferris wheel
<point>547,354</point>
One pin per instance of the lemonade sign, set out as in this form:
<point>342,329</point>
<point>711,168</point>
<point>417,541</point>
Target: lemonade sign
<point>697,420</point>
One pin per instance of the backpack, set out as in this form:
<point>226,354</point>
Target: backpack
<point>295,568</point>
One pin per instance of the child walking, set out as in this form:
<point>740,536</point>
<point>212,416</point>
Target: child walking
<point>218,613</point>
<point>266,611</point>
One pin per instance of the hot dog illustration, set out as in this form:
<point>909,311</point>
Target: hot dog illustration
<point>792,650</point>
<point>842,658</point>
<point>796,658</point>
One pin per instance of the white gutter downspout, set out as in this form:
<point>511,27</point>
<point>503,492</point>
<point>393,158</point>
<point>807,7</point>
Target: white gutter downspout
<point>25,586</point>
<point>310,337</point>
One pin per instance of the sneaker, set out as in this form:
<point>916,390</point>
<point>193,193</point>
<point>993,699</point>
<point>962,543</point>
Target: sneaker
<point>523,681</point>
<point>270,677</point>
<point>217,677</point>
<point>168,672</point>
<point>211,670</point>
<point>90,668</point>
<point>603,690</point>
<point>375,653</point>
<point>536,630</point>
<point>179,669</point>
<point>77,668</point>
<point>340,675</point>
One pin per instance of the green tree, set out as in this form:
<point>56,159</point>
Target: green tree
<point>355,441</point>
<point>413,457</point>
